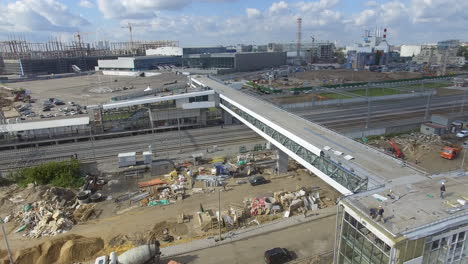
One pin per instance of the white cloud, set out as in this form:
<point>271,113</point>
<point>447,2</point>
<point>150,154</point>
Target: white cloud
<point>317,5</point>
<point>278,7</point>
<point>371,3</point>
<point>365,17</point>
<point>252,12</point>
<point>86,3</point>
<point>143,9</point>
<point>39,15</point>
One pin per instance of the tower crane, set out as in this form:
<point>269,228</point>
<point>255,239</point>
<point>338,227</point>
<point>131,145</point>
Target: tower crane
<point>130,27</point>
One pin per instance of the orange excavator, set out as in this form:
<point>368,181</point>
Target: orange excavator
<point>395,150</point>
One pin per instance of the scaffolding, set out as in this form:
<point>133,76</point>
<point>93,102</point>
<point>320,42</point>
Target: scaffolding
<point>22,57</point>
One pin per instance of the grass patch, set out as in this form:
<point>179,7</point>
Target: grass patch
<point>335,96</point>
<point>118,116</point>
<point>432,85</point>
<point>376,92</point>
<point>64,174</point>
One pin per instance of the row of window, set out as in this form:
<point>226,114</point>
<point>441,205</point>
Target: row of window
<point>452,249</point>
<point>359,245</point>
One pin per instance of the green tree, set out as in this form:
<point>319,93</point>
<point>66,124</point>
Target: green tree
<point>61,174</point>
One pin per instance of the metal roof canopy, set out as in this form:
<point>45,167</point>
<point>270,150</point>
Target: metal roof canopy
<point>44,124</point>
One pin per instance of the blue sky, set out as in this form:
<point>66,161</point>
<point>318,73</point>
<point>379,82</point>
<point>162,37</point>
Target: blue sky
<point>215,22</point>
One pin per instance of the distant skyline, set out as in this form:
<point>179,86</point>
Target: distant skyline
<point>225,22</point>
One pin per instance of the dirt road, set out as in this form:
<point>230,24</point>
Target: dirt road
<point>305,240</point>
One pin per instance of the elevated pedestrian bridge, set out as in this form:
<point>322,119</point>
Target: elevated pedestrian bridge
<point>345,164</point>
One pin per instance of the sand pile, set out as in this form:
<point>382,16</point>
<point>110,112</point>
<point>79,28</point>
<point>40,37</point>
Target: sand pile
<point>63,250</point>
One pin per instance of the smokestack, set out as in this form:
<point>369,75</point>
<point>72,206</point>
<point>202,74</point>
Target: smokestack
<point>299,37</point>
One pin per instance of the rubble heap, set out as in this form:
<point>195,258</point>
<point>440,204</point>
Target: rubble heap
<point>50,215</point>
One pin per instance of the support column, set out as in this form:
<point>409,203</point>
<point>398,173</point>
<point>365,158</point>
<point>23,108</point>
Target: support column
<point>203,117</point>
<point>282,161</point>
<point>227,118</point>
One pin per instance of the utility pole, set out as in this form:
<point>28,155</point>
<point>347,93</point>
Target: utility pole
<point>463,102</point>
<point>178,132</point>
<point>463,160</point>
<point>368,107</point>
<point>91,138</point>
<point>7,245</point>
<point>428,106</point>
<point>219,210</point>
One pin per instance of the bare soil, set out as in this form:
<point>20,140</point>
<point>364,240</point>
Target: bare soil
<point>424,151</point>
<point>349,76</point>
<point>137,223</point>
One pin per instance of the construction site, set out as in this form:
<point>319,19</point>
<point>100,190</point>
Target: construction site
<point>173,200</point>
<point>21,57</point>
<point>145,152</point>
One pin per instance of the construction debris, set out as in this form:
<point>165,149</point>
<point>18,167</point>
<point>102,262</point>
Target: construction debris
<point>47,217</point>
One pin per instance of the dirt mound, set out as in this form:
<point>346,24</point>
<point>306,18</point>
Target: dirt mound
<point>119,240</point>
<point>66,249</point>
<point>80,249</point>
<point>174,228</point>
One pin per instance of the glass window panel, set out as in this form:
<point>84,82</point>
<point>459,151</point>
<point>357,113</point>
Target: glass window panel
<point>461,236</point>
<point>435,245</point>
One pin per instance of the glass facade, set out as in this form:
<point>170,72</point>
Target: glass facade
<point>358,245</point>
<point>450,249</point>
<point>206,62</point>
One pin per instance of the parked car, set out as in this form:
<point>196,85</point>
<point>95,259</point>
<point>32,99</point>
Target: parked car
<point>257,180</point>
<point>58,102</point>
<point>277,256</point>
<point>462,134</point>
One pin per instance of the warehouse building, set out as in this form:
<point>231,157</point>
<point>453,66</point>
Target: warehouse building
<point>47,129</point>
<point>178,51</point>
<point>28,66</point>
<point>236,62</point>
<point>418,224</point>
<point>140,63</point>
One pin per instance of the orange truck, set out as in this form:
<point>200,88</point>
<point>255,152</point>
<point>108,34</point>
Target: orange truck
<point>450,152</point>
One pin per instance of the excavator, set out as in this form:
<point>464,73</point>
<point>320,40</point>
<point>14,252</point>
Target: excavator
<point>395,150</point>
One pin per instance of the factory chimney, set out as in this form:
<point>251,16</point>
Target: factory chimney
<point>299,37</point>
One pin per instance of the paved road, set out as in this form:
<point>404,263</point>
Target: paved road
<point>305,240</point>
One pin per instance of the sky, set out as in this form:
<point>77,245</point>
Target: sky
<point>229,22</point>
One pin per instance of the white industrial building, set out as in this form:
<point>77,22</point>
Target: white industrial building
<point>410,50</point>
<point>45,129</point>
<point>165,51</point>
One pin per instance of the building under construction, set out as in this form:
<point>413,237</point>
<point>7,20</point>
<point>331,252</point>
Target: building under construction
<point>18,56</point>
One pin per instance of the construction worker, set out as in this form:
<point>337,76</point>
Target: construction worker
<point>380,214</point>
<point>442,190</point>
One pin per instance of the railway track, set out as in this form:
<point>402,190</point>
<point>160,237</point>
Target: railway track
<point>342,125</point>
<point>89,156</point>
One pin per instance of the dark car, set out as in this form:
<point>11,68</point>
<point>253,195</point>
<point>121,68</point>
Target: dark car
<point>257,180</point>
<point>277,256</point>
<point>58,102</point>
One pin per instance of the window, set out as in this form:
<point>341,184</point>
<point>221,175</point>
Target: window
<point>451,249</point>
<point>435,245</point>
<point>359,245</point>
